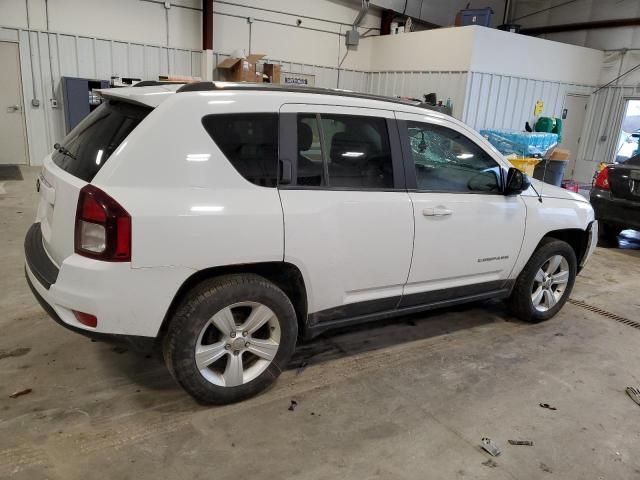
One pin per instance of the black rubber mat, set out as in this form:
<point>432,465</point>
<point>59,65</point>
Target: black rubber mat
<point>10,172</point>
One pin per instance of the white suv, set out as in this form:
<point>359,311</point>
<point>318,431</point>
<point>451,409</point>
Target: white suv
<point>226,222</point>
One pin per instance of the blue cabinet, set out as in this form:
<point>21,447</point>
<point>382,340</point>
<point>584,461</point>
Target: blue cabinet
<point>76,93</point>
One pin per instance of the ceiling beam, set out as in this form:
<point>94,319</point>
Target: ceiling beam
<point>571,27</point>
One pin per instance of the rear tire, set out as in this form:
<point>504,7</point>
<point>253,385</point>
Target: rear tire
<point>545,283</point>
<point>230,338</point>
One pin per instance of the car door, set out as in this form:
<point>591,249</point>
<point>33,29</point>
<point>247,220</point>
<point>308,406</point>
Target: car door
<point>467,233</point>
<point>348,219</point>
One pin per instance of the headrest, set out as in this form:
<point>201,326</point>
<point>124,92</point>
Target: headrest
<point>346,143</point>
<point>305,137</point>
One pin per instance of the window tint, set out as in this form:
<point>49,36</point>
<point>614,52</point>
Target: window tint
<point>447,161</point>
<point>250,143</point>
<point>310,165</point>
<point>90,144</point>
<point>344,151</point>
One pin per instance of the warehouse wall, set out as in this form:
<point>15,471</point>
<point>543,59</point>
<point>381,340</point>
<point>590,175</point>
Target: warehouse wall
<point>315,41</point>
<point>507,102</point>
<point>429,50</point>
<point>125,20</point>
<point>415,84</point>
<point>141,38</point>
<point>51,56</point>
<point>325,77</point>
<point>616,63</point>
<point>606,107</point>
<point>523,12</point>
<point>495,51</point>
<point>602,127</point>
<point>479,49</point>
<point>95,39</point>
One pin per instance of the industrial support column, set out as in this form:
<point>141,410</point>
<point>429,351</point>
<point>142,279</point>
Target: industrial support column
<point>208,63</point>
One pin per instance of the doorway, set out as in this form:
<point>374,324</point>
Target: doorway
<point>13,135</point>
<point>573,116</point>
<point>629,135</point>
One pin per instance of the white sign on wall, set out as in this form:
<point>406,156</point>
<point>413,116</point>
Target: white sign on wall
<point>287,78</point>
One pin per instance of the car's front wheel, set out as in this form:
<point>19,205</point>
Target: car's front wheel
<point>230,338</point>
<point>545,283</point>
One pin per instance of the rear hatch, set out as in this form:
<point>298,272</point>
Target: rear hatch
<point>76,161</point>
<point>624,179</point>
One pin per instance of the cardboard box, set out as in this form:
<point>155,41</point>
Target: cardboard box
<point>272,71</point>
<point>560,154</point>
<point>241,69</point>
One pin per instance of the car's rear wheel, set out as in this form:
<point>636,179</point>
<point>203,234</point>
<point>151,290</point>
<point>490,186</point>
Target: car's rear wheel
<point>230,338</point>
<point>545,283</point>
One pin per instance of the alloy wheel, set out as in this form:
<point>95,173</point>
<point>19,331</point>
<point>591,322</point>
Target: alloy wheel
<point>237,344</point>
<point>550,283</point>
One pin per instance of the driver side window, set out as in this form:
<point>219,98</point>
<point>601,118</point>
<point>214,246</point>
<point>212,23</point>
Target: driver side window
<point>448,161</point>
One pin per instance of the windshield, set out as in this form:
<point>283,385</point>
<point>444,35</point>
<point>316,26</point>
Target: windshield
<point>87,147</point>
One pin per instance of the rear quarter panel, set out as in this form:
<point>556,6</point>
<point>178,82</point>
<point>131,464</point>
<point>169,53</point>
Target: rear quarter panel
<point>189,206</point>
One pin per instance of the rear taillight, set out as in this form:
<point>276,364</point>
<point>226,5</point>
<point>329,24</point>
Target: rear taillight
<point>602,180</point>
<point>103,227</point>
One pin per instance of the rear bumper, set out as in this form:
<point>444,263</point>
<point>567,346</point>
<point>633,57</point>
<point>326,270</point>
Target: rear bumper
<point>624,213</point>
<point>129,303</point>
<point>43,269</point>
<point>138,343</point>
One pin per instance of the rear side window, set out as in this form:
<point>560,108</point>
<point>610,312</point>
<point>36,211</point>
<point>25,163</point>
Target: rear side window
<point>344,151</point>
<point>250,143</point>
<point>87,147</point>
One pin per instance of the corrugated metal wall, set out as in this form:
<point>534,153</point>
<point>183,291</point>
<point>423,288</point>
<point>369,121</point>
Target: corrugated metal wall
<point>54,55</point>
<point>416,84</point>
<point>506,102</point>
<point>602,127</point>
<point>483,100</point>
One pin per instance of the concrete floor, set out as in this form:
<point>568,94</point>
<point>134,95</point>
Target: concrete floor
<point>404,400</point>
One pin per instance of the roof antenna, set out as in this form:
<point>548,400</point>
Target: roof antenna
<point>544,173</point>
<point>537,193</point>
<point>546,158</point>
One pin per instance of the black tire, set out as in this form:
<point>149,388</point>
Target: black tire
<point>608,234</point>
<point>520,302</point>
<point>194,312</point>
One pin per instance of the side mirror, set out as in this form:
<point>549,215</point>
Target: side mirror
<point>517,182</point>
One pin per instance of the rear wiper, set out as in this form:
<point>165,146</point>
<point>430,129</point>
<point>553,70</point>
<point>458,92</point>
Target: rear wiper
<point>59,148</point>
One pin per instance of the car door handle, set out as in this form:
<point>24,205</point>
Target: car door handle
<point>13,108</point>
<point>436,212</point>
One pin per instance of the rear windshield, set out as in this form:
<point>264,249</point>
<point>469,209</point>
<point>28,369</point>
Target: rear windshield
<point>87,147</point>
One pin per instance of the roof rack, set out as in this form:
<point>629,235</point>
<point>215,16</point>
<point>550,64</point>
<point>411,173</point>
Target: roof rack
<point>212,86</point>
<point>197,87</point>
<point>155,83</point>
